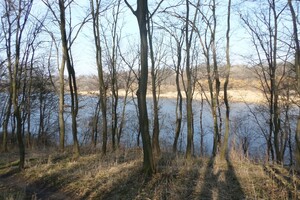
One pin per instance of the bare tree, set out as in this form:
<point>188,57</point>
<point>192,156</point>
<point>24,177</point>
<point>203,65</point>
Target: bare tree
<point>130,60</point>
<point>263,25</point>
<point>7,22</point>
<point>177,34</point>
<point>67,40</point>
<point>224,150</point>
<point>178,73</point>
<point>61,91</point>
<point>208,43</point>
<point>16,21</point>
<point>71,74</point>
<point>155,137</point>
<point>112,56</point>
<point>142,15</point>
<point>297,67</point>
<point>188,86</point>
<point>95,9</point>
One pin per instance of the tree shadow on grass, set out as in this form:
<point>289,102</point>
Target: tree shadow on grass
<point>10,173</point>
<point>74,176</point>
<point>127,188</point>
<point>222,184</point>
<point>210,181</point>
<point>131,183</point>
<point>232,184</point>
<point>176,178</point>
<point>172,181</point>
<point>49,186</point>
<point>122,183</point>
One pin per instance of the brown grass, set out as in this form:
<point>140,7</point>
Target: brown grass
<point>119,176</point>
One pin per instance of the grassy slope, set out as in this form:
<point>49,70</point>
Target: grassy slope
<point>119,176</point>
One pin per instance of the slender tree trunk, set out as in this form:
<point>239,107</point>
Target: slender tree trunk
<point>141,14</point>
<point>61,106</point>
<point>27,95</point>
<point>72,79</point>
<point>8,38</point>
<point>217,139</point>
<point>274,107</point>
<point>104,119</point>
<point>297,67</point>
<point>142,11</point>
<point>22,11</point>
<point>122,120</point>
<point>16,106</point>
<point>95,125</point>
<point>155,137</point>
<point>189,109</point>
<point>201,126</point>
<point>178,106</point>
<point>6,121</point>
<point>224,151</point>
<point>114,125</point>
<point>114,78</point>
<point>102,86</point>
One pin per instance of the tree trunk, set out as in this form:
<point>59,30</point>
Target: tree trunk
<point>22,11</point>
<point>201,126</point>
<point>122,120</point>
<point>72,79</point>
<point>297,67</point>
<point>61,106</point>
<point>155,137</point>
<point>114,79</point>
<point>16,107</point>
<point>178,105</point>
<point>224,151</point>
<point>189,109</point>
<point>141,14</point>
<point>6,120</point>
<point>142,11</point>
<point>102,88</point>
<point>217,139</point>
<point>95,125</point>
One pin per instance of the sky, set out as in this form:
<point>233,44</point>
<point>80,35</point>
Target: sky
<point>84,53</point>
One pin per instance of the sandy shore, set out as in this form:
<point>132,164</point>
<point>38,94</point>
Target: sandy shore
<point>248,96</point>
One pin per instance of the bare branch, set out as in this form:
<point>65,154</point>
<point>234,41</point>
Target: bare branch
<point>130,7</point>
<point>151,15</point>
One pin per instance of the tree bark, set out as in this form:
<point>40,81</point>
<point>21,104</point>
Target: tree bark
<point>141,14</point>
<point>155,134</point>
<point>71,77</point>
<point>7,114</point>
<point>297,67</point>
<point>179,97</point>
<point>224,151</point>
<point>22,13</point>
<point>61,106</point>
<point>215,96</point>
<point>102,86</point>
<point>189,109</point>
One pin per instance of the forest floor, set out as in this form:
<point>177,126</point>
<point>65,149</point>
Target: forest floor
<point>119,175</point>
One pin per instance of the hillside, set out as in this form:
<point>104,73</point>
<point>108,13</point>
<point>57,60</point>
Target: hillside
<point>119,176</point>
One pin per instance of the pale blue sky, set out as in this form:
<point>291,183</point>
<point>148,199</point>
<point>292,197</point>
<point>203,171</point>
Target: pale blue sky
<point>83,49</point>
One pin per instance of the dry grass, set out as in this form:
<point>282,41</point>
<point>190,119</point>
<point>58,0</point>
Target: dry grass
<point>119,176</point>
